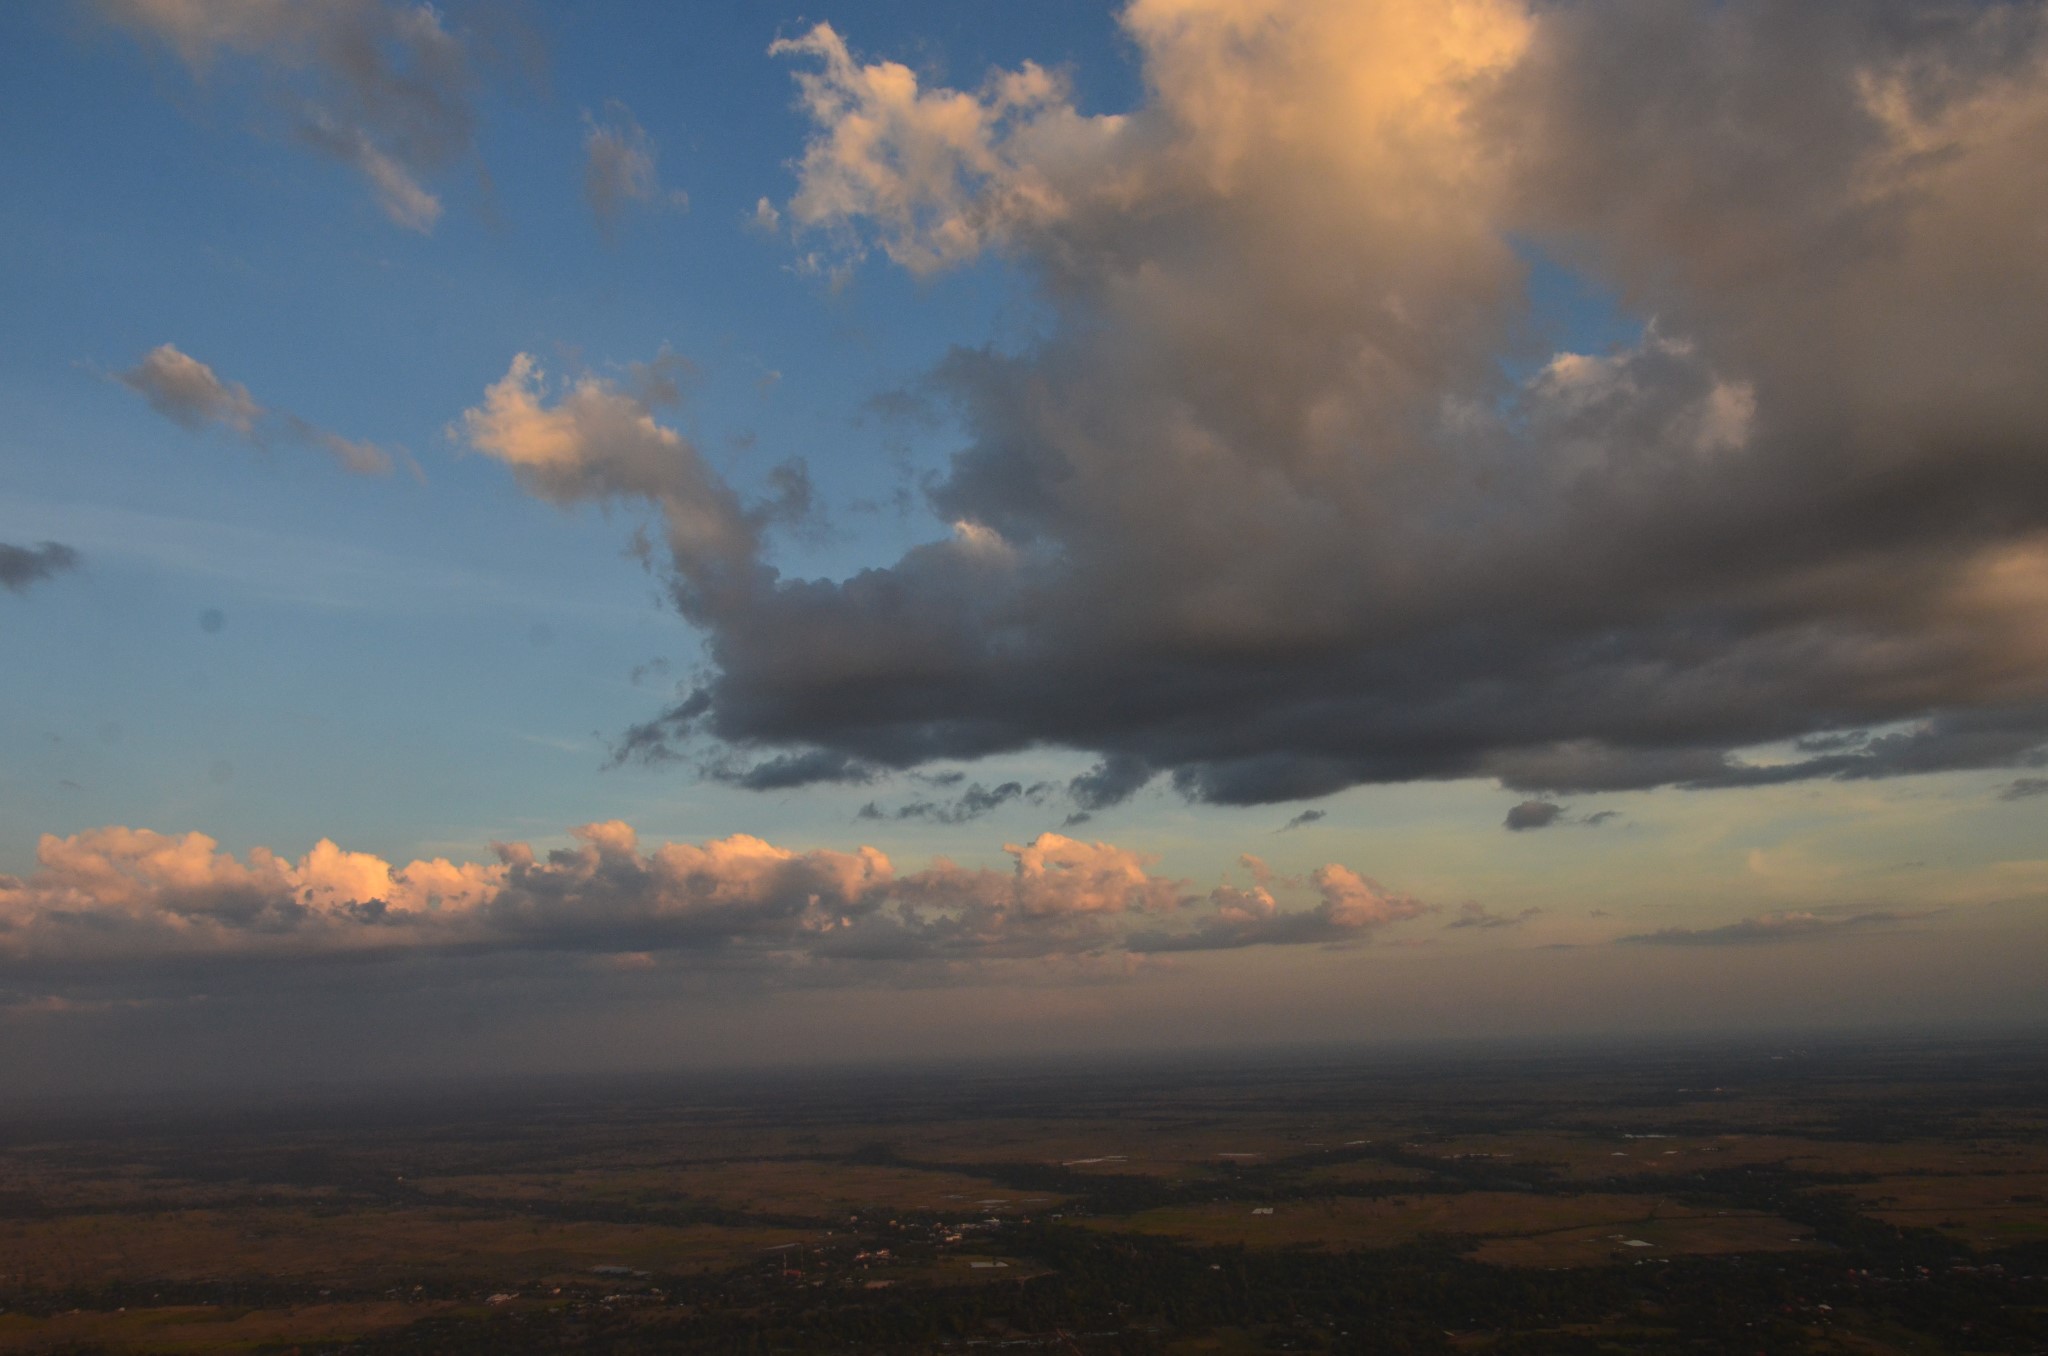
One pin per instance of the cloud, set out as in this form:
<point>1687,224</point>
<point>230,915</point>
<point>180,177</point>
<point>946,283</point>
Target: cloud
<point>187,392</point>
<point>1772,927</point>
<point>619,168</point>
<point>1352,906</point>
<point>1533,814</point>
<point>1306,817</point>
<point>2025,788</point>
<point>115,895</point>
<point>1946,741</point>
<point>380,85</point>
<point>1286,498</point>
<point>21,566</point>
<point>939,174</point>
<point>1543,814</point>
<point>977,800</point>
<point>1479,916</point>
<point>599,440</point>
<point>1112,781</point>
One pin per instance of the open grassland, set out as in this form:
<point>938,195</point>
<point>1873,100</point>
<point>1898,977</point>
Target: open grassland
<point>771,1188</point>
<point>1518,1229</point>
<point>362,1247</point>
<point>1663,1236</point>
<point>1180,1146</point>
<point>1371,1173</point>
<point>1580,1156</point>
<point>1985,1210</point>
<point>174,1330</point>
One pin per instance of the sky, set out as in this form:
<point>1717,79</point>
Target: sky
<point>636,536</point>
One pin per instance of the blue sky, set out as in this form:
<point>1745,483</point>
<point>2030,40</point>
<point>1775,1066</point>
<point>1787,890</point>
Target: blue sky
<point>461,621</point>
<point>261,647</point>
<point>488,641</point>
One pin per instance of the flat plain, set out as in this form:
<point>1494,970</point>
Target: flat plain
<point>1837,1198</point>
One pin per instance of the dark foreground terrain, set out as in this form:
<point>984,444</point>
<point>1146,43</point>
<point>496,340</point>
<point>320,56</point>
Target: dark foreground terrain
<point>1765,1199</point>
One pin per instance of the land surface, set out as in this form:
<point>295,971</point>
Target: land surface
<point>1841,1199</point>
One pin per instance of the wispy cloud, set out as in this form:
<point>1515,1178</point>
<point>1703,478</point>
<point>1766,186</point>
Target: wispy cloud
<point>187,392</point>
<point>620,168</point>
<point>22,566</point>
<point>380,85</point>
<point>973,803</point>
<point>1775,927</point>
<point>307,569</point>
<point>1479,916</point>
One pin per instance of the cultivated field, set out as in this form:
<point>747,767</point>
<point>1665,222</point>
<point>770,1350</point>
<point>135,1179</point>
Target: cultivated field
<point>1861,1200</point>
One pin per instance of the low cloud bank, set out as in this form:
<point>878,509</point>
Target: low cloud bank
<point>120,895</point>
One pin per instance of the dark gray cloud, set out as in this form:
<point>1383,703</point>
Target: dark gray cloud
<point>1543,814</point>
<point>21,566</point>
<point>1110,782</point>
<point>788,770</point>
<point>1773,927</point>
<point>2025,788</point>
<point>1306,817</point>
<point>973,803</point>
<point>1263,510</point>
<point>1533,814</point>
<point>1949,742</point>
